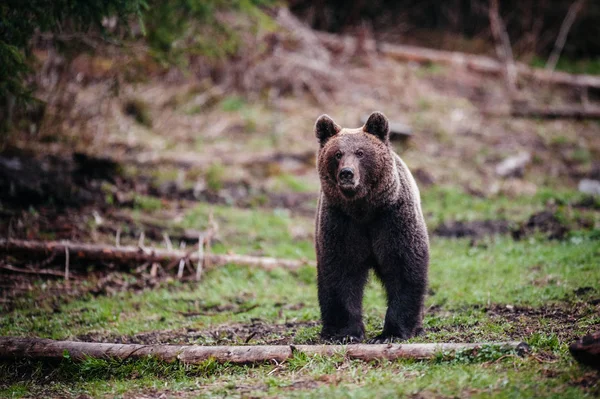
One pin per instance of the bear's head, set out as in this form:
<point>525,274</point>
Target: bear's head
<point>353,162</point>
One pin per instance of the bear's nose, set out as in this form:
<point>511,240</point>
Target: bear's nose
<point>346,174</point>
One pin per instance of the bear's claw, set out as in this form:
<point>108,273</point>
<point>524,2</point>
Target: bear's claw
<point>386,339</point>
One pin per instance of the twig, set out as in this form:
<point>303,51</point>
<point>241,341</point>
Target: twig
<point>154,270</point>
<point>200,257</point>
<point>244,310</point>
<point>228,311</point>
<point>167,241</point>
<point>27,271</point>
<point>252,335</point>
<point>278,366</point>
<point>540,360</point>
<point>46,262</point>
<point>118,238</point>
<point>499,359</point>
<point>141,240</point>
<point>181,262</point>
<point>563,33</point>
<point>141,268</point>
<point>66,263</point>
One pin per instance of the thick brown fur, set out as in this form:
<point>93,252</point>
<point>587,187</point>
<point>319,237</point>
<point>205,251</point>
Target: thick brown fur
<point>369,216</point>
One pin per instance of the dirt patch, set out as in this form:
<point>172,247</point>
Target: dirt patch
<point>524,321</point>
<point>57,291</point>
<point>589,382</point>
<point>588,203</point>
<point>255,333</point>
<point>241,194</point>
<point>544,222</point>
<point>474,229</point>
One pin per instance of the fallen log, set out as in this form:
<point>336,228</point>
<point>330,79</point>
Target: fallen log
<point>566,112</point>
<point>193,160</point>
<point>47,349</point>
<point>477,63</point>
<point>128,254</point>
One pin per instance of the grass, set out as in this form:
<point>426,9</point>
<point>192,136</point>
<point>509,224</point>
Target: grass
<point>466,281</point>
<point>444,203</point>
<point>585,66</point>
<point>146,203</point>
<point>256,231</point>
<point>536,290</point>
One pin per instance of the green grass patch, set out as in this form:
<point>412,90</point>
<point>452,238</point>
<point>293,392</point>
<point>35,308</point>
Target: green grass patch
<point>490,374</point>
<point>256,231</point>
<point>463,281</point>
<point>441,203</point>
<point>146,203</point>
<point>233,103</point>
<point>585,66</point>
<point>473,287</point>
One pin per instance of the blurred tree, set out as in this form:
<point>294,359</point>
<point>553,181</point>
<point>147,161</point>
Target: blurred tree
<point>20,20</point>
<point>178,29</point>
<point>533,26</point>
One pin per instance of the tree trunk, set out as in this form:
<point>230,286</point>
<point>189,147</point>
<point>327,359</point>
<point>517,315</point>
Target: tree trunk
<point>562,34</point>
<point>46,349</point>
<point>503,48</point>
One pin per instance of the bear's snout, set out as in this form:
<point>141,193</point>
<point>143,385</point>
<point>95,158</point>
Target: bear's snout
<point>346,175</point>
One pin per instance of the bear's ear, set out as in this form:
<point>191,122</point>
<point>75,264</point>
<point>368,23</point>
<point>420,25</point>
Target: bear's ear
<point>325,128</point>
<point>378,125</point>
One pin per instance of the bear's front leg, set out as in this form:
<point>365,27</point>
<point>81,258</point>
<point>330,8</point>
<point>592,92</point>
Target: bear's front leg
<point>402,256</point>
<point>340,299</point>
<point>404,315</point>
<point>343,260</point>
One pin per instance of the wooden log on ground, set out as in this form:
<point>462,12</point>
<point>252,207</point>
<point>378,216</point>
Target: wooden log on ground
<point>47,349</point>
<point>137,255</point>
<point>193,160</point>
<point>565,112</point>
<point>477,63</point>
<point>587,350</point>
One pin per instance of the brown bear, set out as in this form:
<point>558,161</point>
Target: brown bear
<point>369,216</point>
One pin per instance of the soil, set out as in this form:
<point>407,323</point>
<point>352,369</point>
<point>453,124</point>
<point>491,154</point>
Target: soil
<point>525,321</point>
<point>474,229</point>
<point>255,333</point>
<point>544,222</point>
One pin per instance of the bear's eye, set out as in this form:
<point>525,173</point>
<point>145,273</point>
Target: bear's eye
<point>360,153</point>
<point>338,155</point>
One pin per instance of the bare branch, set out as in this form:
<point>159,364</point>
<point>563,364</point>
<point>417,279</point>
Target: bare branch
<point>503,48</point>
<point>574,9</point>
